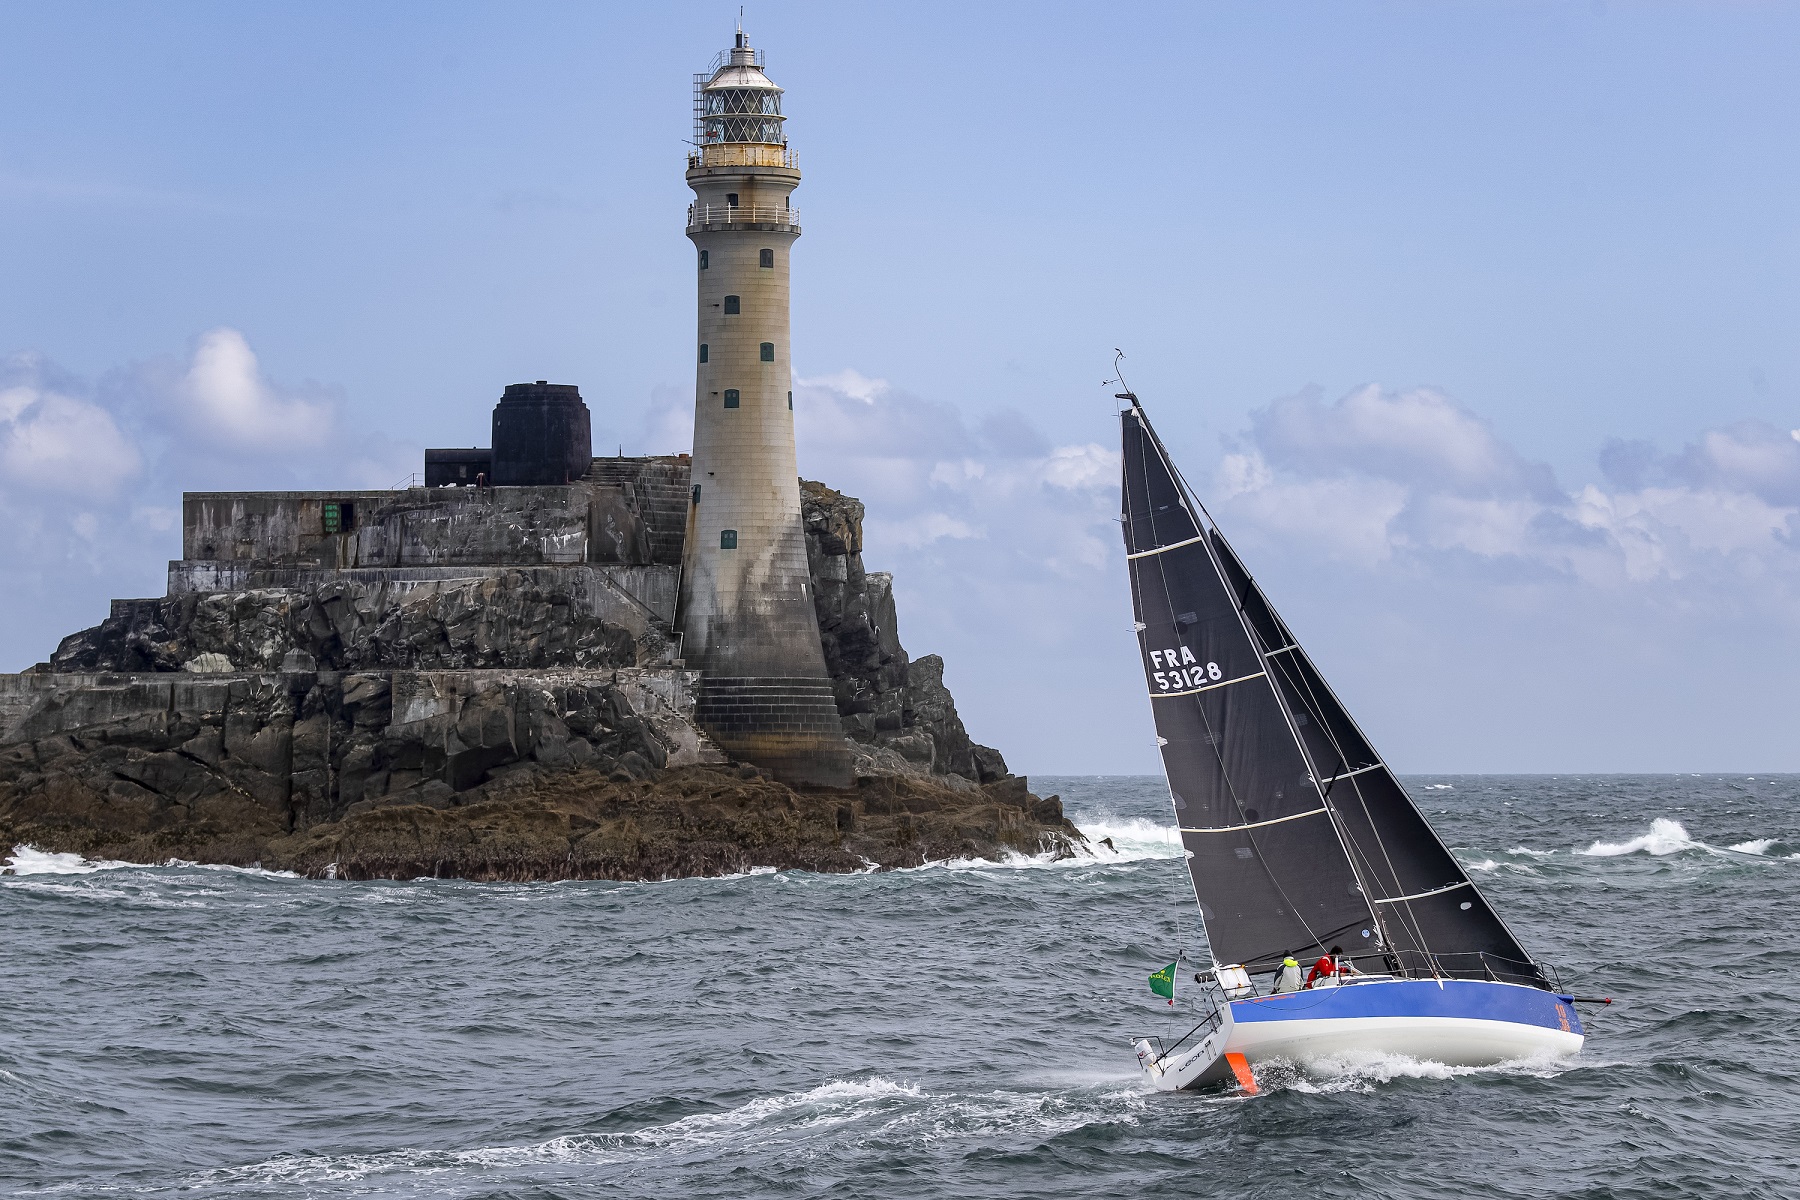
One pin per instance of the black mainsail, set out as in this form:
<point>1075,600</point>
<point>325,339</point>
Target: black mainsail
<point>1298,835</point>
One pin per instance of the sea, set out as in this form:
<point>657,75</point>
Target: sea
<point>955,1030</point>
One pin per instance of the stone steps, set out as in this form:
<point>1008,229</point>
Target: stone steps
<point>662,492</point>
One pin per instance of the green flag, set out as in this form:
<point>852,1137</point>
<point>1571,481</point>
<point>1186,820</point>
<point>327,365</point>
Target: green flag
<point>1163,983</point>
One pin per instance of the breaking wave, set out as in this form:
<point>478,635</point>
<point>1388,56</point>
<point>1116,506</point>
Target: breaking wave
<point>29,860</point>
<point>1671,837</point>
<point>1665,837</point>
<point>1131,838</point>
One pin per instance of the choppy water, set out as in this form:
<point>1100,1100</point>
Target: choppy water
<point>956,1030</point>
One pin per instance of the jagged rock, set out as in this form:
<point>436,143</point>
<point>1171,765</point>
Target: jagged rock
<point>884,698</point>
<point>501,621</point>
<point>311,749</point>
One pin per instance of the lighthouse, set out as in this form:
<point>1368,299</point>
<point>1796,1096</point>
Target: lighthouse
<point>746,616</point>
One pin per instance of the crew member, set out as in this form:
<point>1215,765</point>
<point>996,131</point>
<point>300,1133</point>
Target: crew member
<point>1328,965</point>
<point>1287,979</point>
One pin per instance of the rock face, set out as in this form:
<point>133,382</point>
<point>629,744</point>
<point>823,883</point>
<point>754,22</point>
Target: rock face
<point>885,699</point>
<point>508,620</point>
<point>198,757</point>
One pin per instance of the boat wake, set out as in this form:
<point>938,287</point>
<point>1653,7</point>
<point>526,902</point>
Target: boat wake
<point>1365,1071</point>
<point>872,1114</point>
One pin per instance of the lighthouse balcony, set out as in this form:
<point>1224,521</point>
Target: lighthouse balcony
<point>714,217</point>
<point>744,154</point>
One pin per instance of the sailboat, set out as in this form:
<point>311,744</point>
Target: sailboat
<point>1300,840</point>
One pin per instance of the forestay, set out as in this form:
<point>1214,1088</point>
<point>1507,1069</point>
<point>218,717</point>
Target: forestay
<point>1299,837</point>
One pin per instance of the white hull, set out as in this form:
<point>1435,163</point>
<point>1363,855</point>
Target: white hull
<point>1454,1041</point>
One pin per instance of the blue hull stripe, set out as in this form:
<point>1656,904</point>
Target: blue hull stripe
<point>1471,999</point>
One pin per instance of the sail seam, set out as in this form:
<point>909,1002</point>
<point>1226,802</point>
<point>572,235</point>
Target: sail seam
<point>1311,812</point>
<point>1170,546</point>
<point>1449,887</point>
<point>1209,687</point>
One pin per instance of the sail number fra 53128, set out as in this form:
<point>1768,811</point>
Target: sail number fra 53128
<point>1181,670</point>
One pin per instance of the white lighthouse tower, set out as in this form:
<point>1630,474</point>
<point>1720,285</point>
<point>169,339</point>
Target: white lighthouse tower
<point>747,614</point>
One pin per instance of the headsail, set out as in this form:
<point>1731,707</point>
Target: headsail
<point>1299,836</point>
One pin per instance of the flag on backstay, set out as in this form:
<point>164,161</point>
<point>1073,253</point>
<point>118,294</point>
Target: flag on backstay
<point>1163,983</point>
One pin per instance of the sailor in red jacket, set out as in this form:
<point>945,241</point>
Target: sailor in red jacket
<point>1329,965</point>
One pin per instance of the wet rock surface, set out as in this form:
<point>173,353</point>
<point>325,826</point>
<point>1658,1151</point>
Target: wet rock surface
<point>538,823</point>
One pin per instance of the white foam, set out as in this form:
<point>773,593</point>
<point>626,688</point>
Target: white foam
<point>29,860</point>
<point>1439,787</point>
<point>1486,864</point>
<point>1753,846</point>
<point>1363,1071</point>
<point>1533,853</point>
<point>1132,838</point>
<point>1665,837</point>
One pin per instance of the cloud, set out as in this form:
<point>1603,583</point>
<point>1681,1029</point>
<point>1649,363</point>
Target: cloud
<point>57,443</point>
<point>227,401</point>
<point>1421,436</point>
<point>928,478</point>
<point>1382,477</point>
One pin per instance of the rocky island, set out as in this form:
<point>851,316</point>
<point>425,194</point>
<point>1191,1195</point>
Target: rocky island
<point>537,664</point>
<point>479,683</point>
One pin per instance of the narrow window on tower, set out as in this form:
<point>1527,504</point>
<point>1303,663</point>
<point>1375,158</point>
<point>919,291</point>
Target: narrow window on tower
<point>768,351</point>
<point>790,402</point>
<point>765,258</point>
<point>728,539</point>
<point>703,260</point>
<point>731,306</point>
<point>731,397</point>
<point>730,199</point>
<point>696,495</point>
<point>702,351</point>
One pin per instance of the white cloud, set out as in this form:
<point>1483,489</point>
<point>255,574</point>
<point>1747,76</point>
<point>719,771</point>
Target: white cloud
<point>849,383</point>
<point>913,532</point>
<point>1418,435</point>
<point>55,443</point>
<point>1380,475</point>
<point>227,401</point>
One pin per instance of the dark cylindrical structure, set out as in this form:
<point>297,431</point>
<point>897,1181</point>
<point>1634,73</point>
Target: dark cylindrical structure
<point>541,435</point>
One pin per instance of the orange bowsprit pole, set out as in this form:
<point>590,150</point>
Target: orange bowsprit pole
<point>1240,1066</point>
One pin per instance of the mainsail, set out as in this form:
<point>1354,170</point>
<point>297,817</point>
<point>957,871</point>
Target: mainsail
<point>1298,835</point>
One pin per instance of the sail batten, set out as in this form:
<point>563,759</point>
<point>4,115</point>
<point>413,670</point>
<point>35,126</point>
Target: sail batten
<point>1311,812</point>
<point>1246,763</point>
<point>1208,687</point>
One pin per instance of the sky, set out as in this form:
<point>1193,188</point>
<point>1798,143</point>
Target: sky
<point>1474,324</point>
